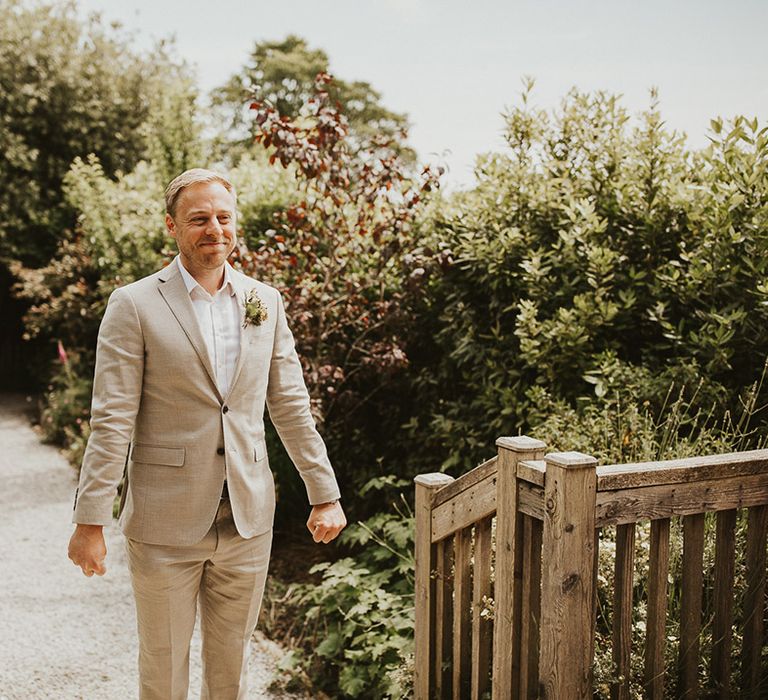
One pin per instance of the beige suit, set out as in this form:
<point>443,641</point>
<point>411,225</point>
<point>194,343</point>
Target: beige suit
<point>157,410</point>
<point>155,401</point>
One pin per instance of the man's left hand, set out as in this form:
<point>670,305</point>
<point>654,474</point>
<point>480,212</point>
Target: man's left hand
<point>326,521</point>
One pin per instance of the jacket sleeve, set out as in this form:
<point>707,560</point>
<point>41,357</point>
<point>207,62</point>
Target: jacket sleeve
<point>116,397</point>
<point>288,405</point>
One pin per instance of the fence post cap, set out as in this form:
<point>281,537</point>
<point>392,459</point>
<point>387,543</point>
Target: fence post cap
<point>570,460</point>
<point>434,480</point>
<point>521,443</point>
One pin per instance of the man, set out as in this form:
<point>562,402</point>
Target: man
<point>186,360</point>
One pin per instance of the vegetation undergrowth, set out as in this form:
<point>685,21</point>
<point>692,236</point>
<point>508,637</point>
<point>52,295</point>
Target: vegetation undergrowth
<point>353,627</point>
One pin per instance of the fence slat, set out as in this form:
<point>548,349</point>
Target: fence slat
<point>462,623</point>
<point>505,654</point>
<point>425,583</point>
<point>725,553</point>
<point>622,609</point>
<point>754,601</point>
<point>443,618</point>
<point>530,607</point>
<point>567,578</point>
<point>690,605</point>
<point>656,635</point>
<point>482,627</point>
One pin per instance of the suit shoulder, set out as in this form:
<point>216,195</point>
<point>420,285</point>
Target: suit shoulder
<point>142,285</point>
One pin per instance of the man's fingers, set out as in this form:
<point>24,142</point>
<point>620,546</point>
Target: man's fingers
<point>91,568</point>
<point>318,533</point>
<point>322,534</point>
<point>325,534</point>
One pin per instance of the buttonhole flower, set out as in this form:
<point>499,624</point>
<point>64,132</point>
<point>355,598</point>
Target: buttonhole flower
<point>255,311</point>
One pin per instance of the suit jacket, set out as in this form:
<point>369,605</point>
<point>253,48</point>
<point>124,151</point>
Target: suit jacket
<point>158,414</point>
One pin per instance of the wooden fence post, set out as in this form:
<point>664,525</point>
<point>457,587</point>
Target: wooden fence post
<point>506,652</point>
<point>567,585</point>
<point>425,556</point>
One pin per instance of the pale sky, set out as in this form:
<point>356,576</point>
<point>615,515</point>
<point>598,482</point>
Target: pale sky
<point>454,65</point>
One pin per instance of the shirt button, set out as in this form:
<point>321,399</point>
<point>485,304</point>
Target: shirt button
<point>220,451</point>
<point>225,409</point>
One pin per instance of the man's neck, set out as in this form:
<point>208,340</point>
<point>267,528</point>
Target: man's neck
<point>209,280</point>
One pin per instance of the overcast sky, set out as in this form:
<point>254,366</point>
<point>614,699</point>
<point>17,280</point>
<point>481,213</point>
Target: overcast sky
<point>454,65</point>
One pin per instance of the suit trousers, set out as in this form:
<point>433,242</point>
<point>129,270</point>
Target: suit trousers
<point>224,574</point>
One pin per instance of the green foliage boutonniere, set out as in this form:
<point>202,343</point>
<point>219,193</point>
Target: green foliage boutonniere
<point>255,311</point>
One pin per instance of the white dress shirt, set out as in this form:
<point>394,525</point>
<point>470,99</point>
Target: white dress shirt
<point>218,316</point>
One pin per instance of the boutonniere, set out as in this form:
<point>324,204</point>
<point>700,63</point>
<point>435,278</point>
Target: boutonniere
<point>255,311</point>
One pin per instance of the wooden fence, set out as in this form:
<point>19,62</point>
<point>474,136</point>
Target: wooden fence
<point>507,563</point>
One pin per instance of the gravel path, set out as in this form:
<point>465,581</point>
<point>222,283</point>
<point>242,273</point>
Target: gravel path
<point>64,636</point>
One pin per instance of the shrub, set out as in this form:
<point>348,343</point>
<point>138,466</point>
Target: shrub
<point>586,239</point>
<point>355,639</point>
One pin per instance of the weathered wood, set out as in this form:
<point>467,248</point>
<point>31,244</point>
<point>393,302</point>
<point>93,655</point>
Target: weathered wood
<point>530,500</point>
<point>468,505</point>
<point>533,471</point>
<point>425,565</point>
<point>690,605</point>
<point>443,658</point>
<point>725,553</point>
<point>622,609</point>
<point>462,621</point>
<point>530,616</point>
<point>567,603</point>
<point>735,464</point>
<point>754,602</point>
<point>519,611</point>
<point>480,473</point>
<point>655,634</point>
<point>511,452</point>
<point>653,502</point>
<point>482,626</point>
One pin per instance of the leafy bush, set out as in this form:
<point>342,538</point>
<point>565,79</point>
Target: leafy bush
<point>72,87</point>
<point>587,239</point>
<point>335,252</point>
<point>66,405</point>
<point>119,237</point>
<point>356,635</point>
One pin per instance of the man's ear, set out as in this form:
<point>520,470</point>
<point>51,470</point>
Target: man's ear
<point>170,224</point>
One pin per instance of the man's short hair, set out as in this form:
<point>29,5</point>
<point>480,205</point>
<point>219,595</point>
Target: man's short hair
<point>193,177</point>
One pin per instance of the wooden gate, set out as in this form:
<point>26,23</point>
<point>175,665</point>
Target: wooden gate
<point>506,567</point>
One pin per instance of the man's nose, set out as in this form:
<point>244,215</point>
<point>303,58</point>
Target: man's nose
<point>214,227</point>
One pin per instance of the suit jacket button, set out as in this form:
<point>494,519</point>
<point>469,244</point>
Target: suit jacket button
<point>220,451</point>
<point>225,409</point>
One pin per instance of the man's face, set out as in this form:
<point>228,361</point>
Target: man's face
<point>204,226</point>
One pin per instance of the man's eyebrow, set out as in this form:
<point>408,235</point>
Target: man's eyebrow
<point>197,212</point>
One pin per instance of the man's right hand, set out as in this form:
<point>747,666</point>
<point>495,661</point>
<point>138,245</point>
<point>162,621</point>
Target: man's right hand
<point>88,550</point>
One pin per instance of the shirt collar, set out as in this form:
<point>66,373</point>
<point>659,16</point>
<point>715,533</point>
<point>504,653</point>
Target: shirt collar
<point>191,283</point>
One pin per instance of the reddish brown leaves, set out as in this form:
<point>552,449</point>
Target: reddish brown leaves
<point>336,253</point>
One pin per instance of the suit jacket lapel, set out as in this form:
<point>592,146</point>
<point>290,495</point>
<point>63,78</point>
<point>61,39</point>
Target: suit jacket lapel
<point>175,293</point>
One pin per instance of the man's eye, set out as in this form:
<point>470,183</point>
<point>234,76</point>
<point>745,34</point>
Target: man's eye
<point>223,219</point>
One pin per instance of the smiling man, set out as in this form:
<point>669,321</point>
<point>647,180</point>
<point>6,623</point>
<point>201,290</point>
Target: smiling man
<point>187,359</point>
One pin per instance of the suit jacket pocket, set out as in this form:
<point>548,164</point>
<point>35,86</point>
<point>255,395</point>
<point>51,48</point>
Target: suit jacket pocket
<point>259,450</point>
<point>158,454</point>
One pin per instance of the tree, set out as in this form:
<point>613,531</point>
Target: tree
<point>282,74</point>
<point>68,88</point>
<point>336,254</point>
